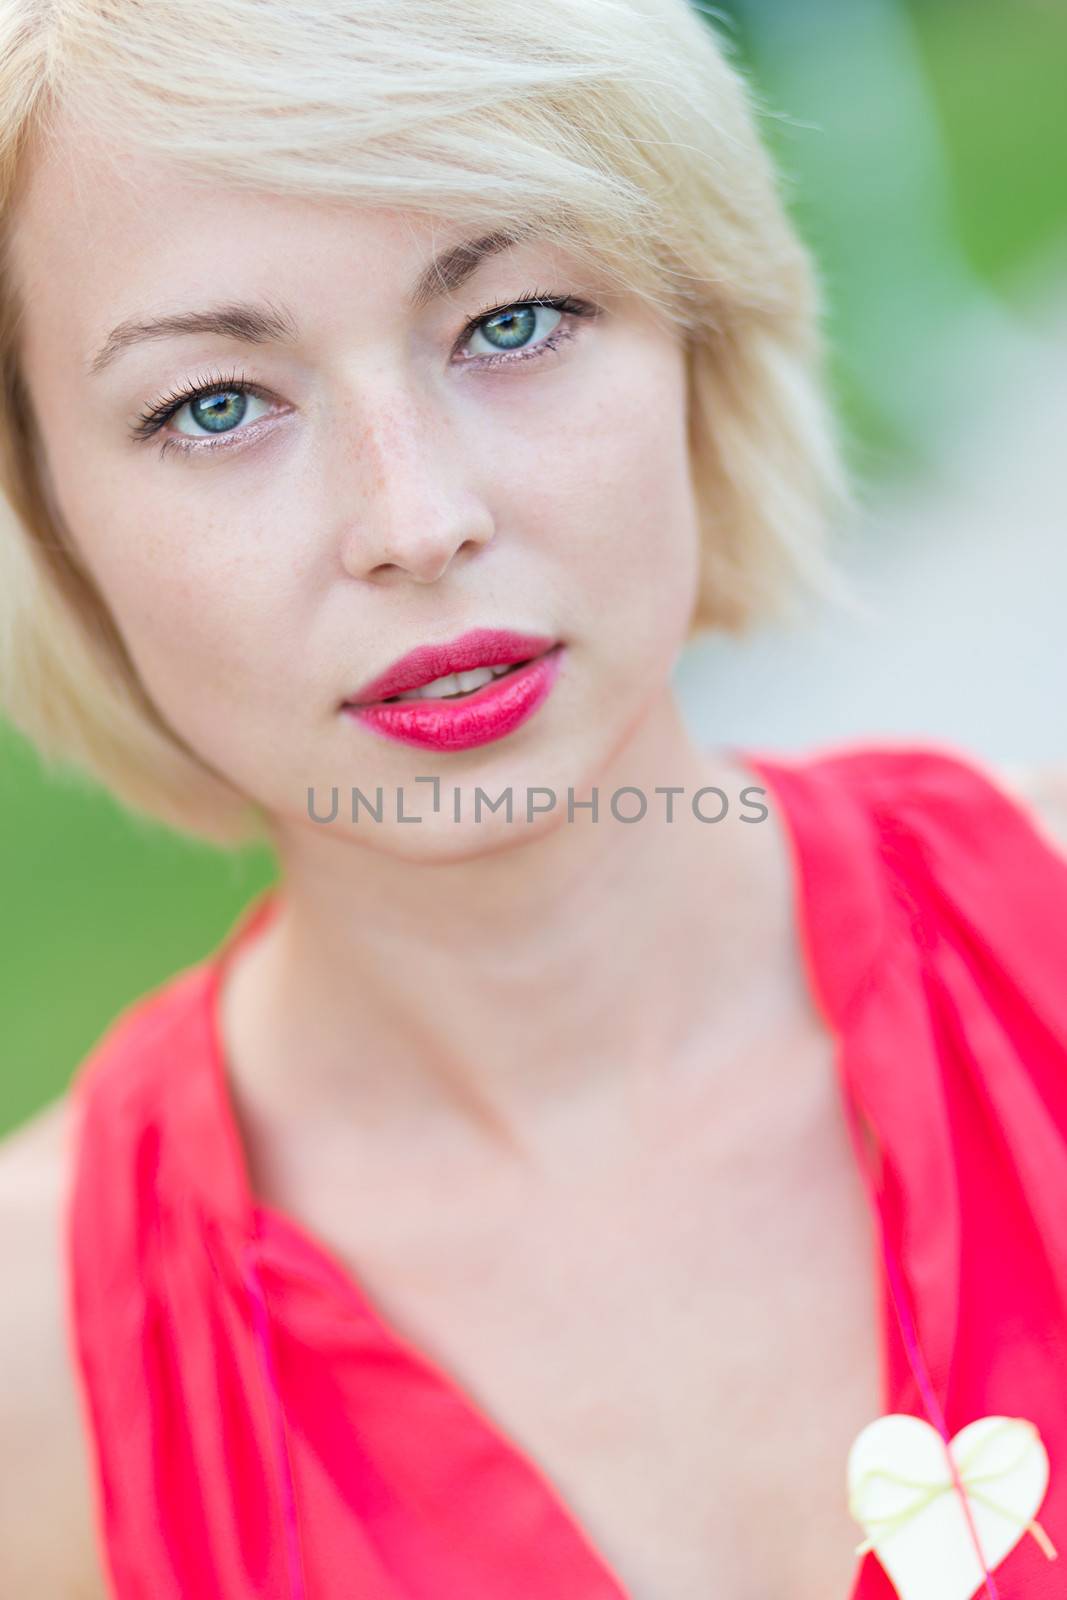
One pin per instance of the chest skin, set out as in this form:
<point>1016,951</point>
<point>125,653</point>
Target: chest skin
<point>679,1327</point>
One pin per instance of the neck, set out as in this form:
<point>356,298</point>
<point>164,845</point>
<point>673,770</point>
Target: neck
<point>499,986</point>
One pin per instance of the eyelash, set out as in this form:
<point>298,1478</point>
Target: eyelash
<point>156,416</point>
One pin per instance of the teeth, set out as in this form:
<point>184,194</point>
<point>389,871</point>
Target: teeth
<point>455,683</point>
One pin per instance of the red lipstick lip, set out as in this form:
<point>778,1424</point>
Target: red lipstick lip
<point>481,647</point>
<point>465,722</point>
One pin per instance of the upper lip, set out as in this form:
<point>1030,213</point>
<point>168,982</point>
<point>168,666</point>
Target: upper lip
<point>481,647</point>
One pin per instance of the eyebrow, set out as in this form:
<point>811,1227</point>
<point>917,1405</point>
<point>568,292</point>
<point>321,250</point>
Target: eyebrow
<point>269,324</point>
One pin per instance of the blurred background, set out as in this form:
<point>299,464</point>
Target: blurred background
<point>924,150</point>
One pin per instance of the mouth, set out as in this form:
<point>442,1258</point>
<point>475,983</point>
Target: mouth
<point>460,710</point>
<point>456,685</point>
<point>453,670</point>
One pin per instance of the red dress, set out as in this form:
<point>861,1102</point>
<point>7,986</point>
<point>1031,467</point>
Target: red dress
<point>259,1429</point>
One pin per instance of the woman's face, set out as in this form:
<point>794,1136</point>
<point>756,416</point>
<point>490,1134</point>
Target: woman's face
<point>393,477</point>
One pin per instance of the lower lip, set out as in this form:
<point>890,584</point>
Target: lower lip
<point>489,713</point>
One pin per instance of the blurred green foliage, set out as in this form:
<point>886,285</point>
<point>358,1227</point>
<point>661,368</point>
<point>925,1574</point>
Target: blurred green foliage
<point>98,907</point>
<point>923,148</point>
<point>998,71</point>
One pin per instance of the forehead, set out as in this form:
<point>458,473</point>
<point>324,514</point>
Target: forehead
<point>79,193</point>
<point>94,240</point>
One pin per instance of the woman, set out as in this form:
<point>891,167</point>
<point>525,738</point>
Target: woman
<point>485,1217</point>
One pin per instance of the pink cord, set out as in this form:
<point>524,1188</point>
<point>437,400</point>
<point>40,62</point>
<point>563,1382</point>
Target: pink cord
<point>261,1333</point>
<point>911,1342</point>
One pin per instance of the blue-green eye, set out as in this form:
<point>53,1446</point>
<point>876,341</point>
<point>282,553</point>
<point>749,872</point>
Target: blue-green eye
<point>218,411</point>
<point>218,405</point>
<point>514,327</point>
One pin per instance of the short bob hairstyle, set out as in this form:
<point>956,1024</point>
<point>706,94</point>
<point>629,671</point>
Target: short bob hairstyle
<point>614,126</point>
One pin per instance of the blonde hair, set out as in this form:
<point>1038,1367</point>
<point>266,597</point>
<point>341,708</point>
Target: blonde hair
<point>615,126</point>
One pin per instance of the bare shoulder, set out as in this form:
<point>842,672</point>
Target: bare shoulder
<point>1043,791</point>
<point>47,1538</point>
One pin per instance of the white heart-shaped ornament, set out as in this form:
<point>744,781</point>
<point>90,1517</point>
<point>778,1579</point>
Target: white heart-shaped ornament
<point>901,1492</point>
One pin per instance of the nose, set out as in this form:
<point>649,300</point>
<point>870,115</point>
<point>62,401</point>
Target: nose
<point>417,506</point>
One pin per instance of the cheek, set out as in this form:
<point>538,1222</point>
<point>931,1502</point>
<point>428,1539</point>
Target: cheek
<point>197,599</point>
<point>615,508</point>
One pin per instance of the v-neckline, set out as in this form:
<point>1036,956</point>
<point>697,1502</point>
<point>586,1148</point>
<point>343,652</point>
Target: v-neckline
<point>259,1221</point>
